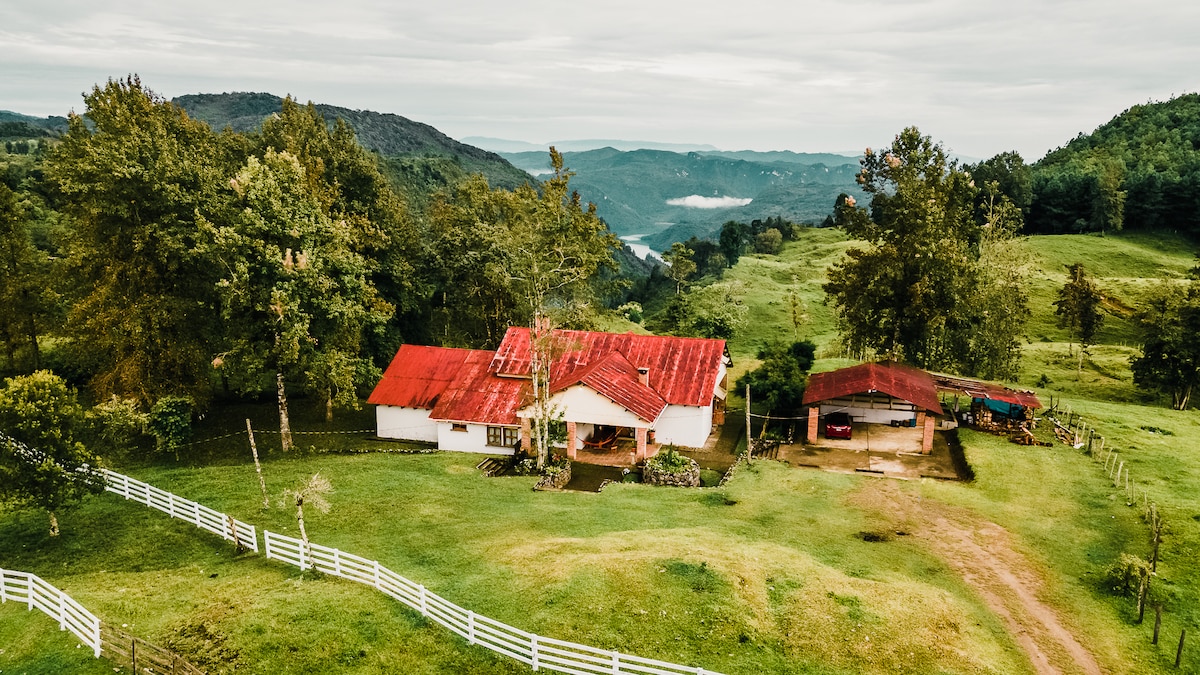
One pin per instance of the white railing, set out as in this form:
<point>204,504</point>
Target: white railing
<point>31,590</point>
<point>220,524</point>
<point>541,653</point>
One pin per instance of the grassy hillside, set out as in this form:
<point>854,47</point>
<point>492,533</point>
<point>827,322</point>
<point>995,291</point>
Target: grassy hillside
<point>771,573</point>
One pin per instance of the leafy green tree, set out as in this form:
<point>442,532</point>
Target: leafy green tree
<point>1170,358</point>
<point>780,379</point>
<point>769,241</point>
<point>135,179</point>
<point>503,256</point>
<point>296,297</point>
<point>905,295</point>
<point>42,465</point>
<point>999,296</point>
<point>170,422</point>
<point>1007,175</point>
<point>23,283</point>
<point>734,239</point>
<point>312,492</point>
<point>682,265</point>
<point>715,311</point>
<point>1078,309</point>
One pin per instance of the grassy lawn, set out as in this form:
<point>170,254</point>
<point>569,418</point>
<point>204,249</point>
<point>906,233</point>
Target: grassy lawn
<point>769,574</point>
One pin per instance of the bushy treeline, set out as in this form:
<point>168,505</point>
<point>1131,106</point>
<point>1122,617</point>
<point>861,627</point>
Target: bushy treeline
<point>145,255</point>
<point>1139,171</point>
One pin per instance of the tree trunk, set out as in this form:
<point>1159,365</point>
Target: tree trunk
<point>300,519</point>
<point>53,524</point>
<point>329,406</point>
<point>33,343</point>
<point>285,427</point>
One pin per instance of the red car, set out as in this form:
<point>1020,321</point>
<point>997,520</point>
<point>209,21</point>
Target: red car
<point>838,425</point>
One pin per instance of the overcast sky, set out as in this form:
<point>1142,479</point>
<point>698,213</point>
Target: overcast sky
<point>981,76</point>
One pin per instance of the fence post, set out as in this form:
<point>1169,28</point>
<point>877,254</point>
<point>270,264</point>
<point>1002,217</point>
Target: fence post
<point>3,590</point>
<point>62,610</point>
<point>196,511</point>
<point>133,652</point>
<point>1157,623</point>
<point>300,552</point>
<point>533,653</point>
<point>337,562</point>
<point>470,627</point>
<point>29,589</point>
<point>424,608</point>
<point>375,565</point>
<point>616,663</point>
<point>125,485</point>
<point>171,504</point>
<point>1179,651</point>
<point>96,637</point>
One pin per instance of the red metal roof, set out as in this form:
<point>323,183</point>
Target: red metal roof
<point>418,375</point>
<point>900,381</point>
<point>615,378</point>
<point>477,395</point>
<point>683,371</point>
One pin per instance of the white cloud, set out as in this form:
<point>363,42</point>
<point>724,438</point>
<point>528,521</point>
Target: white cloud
<point>698,202</point>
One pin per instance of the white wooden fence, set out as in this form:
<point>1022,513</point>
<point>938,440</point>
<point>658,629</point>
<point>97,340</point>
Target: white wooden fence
<point>223,525</point>
<point>541,653</point>
<point>31,590</point>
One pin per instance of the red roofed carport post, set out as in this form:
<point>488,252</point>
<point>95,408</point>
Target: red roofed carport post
<point>814,413</point>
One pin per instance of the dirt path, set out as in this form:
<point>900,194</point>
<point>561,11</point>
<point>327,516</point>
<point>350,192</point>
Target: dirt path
<point>1008,582</point>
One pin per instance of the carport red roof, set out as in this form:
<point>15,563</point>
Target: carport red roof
<point>896,380</point>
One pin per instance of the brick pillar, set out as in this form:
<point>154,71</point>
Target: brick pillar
<point>640,432</point>
<point>571,450</point>
<point>526,435</point>
<point>927,436</point>
<point>813,415</point>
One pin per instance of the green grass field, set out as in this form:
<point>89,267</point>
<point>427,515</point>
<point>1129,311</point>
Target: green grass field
<point>770,574</point>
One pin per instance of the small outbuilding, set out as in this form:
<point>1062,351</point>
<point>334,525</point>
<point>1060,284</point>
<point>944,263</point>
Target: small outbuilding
<point>875,393</point>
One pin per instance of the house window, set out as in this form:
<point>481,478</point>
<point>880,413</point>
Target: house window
<point>503,437</point>
<point>455,426</point>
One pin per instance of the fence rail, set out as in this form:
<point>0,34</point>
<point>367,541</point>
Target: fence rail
<point>142,657</point>
<point>541,653</point>
<point>220,524</point>
<point>36,593</point>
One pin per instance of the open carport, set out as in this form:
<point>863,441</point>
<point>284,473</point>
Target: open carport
<point>892,405</point>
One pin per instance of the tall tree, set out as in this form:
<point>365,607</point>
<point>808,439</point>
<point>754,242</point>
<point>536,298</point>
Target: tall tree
<point>23,283</point>
<point>296,297</point>
<point>906,294</point>
<point>681,261</point>
<point>1078,309</point>
<point>41,463</point>
<point>501,255</point>
<point>1170,358</point>
<point>135,178</point>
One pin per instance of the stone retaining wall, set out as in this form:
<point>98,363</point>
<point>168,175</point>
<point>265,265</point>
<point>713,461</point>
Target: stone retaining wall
<point>688,478</point>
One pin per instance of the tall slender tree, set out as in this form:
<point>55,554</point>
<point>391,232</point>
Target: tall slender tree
<point>134,178</point>
<point>1078,309</point>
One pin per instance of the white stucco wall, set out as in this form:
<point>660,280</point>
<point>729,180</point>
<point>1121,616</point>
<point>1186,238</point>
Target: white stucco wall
<point>581,404</point>
<point>474,439</point>
<point>684,425</point>
<point>409,424</point>
<point>869,415</point>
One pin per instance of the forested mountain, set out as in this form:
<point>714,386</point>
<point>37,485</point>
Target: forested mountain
<point>417,155</point>
<point>647,191</point>
<point>1139,171</point>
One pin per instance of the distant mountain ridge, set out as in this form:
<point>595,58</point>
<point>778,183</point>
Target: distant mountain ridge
<point>390,135</point>
<point>632,190</point>
<point>503,145</point>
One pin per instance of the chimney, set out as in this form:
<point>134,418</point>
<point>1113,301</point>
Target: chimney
<point>644,376</point>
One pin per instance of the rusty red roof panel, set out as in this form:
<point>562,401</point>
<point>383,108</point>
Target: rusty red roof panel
<point>478,396</point>
<point>418,375</point>
<point>978,389</point>
<point>894,379</point>
<point>683,371</point>
<point>615,378</point>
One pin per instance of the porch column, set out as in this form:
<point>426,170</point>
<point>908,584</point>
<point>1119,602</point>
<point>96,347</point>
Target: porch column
<point>640,433</point>
<point>813,414</point>
<point>927,436</point>
<point>571,440</point>
<point>526,435</point>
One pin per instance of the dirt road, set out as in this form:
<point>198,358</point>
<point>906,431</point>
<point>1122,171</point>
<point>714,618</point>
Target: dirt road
<point>1005,579</point>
